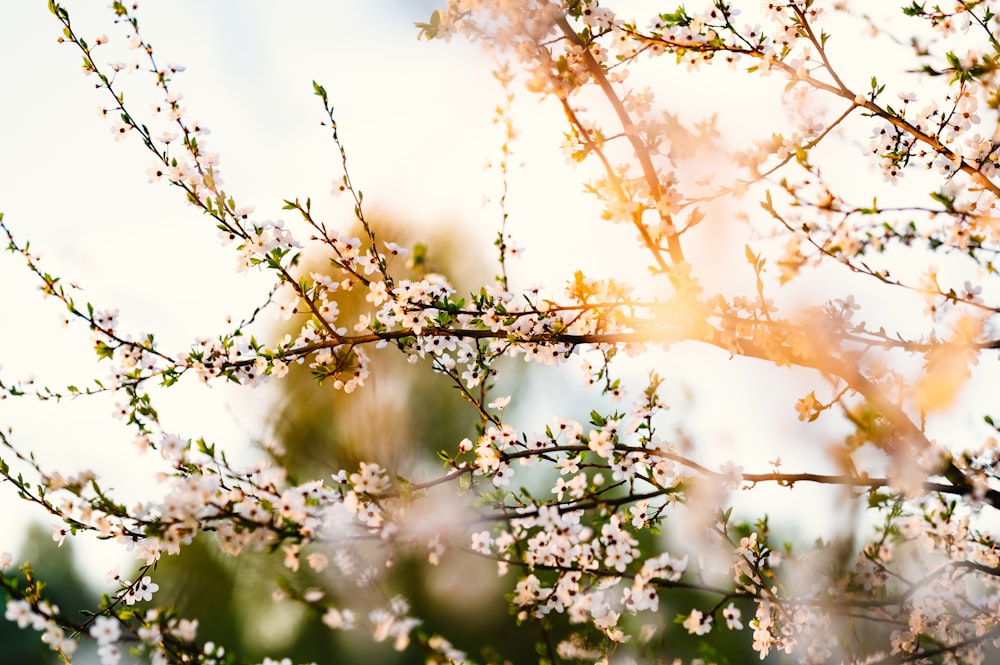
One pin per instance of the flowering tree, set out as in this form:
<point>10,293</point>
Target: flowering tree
<point>595,523</point>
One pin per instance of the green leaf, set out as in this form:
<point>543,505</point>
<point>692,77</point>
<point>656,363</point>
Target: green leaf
<point>319,90</point>
<point>418,255</point>
<point>103,351</point>
<point>430,29</point>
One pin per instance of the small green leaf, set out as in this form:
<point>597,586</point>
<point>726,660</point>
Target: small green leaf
<point>430,29</point>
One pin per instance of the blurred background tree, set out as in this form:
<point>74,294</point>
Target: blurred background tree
<point>400,415</point>
<point>65,588</point>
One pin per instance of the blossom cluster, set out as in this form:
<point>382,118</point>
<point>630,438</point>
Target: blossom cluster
<point>579,517</point>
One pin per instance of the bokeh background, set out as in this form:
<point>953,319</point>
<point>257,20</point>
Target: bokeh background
<point>417,121</point>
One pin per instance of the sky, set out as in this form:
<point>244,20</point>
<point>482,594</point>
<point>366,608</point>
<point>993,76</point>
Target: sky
<point>416,119</point>
<point>83,200</point>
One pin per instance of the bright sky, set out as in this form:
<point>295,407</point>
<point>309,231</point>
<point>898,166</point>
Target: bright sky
<point>416,121</point>
<point>410,113</point>
<point>416,118</point>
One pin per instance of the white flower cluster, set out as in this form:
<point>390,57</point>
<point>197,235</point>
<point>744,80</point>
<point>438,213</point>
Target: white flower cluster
<point>575,510</point>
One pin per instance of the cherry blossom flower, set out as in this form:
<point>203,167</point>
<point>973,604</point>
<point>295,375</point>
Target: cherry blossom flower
<point>105,630</point>
<point>732,615</point>
<point>697,623</point>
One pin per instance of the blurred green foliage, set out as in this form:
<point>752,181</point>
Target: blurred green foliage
<point>65,588</point>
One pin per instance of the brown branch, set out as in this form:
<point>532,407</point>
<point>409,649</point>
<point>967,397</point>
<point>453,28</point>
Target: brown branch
<point>640,150</point>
